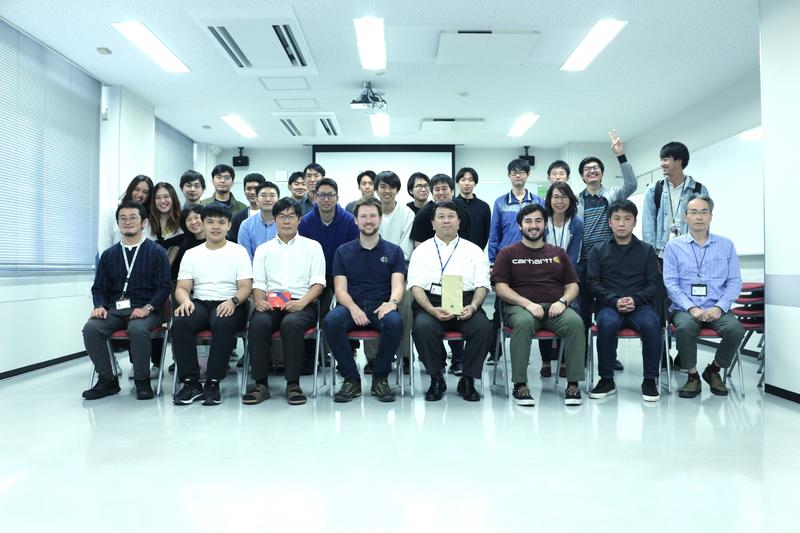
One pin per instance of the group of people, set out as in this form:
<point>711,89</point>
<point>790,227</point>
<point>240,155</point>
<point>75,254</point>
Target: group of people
<point>557,262</point>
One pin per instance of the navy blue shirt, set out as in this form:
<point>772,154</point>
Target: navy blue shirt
<point>149,282</point>
<point>369,272</point>
<point>342,229</point>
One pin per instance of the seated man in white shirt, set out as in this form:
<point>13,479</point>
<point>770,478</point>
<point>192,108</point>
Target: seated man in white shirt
<point>448,254</point>
<point>214,282</point>
<point>289,268</point>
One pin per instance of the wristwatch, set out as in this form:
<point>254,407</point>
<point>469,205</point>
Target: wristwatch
<point>149,307</point>
<point>563,301</point>
<point>394,301</point>
<point>235,300</point>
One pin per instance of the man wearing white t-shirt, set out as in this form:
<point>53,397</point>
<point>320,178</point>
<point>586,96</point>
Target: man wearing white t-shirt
<point>214,282</point>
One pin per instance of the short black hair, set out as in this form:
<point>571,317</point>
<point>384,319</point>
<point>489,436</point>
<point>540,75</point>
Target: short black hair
<point>414,177</point>
<point>294,176</point>
<point>519,164</point>
<point>591,159</point>
<point>254,177</point>
<point>315,167</point>
<point>329,182</point>
<point>442,178</point>
<point>389,178</point>
<point>565,189</point>
<point>528,209</point>
<point>194,208</point>
<point>268,185</point>
<point>623,205</point>
<point>449,204</point>
<point>461,172</point>
<point>219,169</point>
<point>369,200</point>
<point>677,151</point>
<point>192,175</point>
<point>130,204</point>
<point>370,174</point>
<point>216,209</point>
<point>286,203</point>
<point>558,163</point>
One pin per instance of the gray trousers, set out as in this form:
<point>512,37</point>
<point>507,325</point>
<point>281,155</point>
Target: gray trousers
<point>687,328</point>
<point>97,331</point>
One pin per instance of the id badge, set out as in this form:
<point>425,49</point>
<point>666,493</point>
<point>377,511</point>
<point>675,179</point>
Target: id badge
<point>699,289</point>
<point>673,232</point>
<point>436,288</point>
<point>123,304</point>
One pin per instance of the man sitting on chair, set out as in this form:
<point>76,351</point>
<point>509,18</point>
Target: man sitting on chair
<point>368,279</point>
<point>537,282</point>
<point>288,275</point>
<point>624,279</point>
<point>129,290</point>
<point>214,283</point>
<point>702,277</point>
<point>447,254</point>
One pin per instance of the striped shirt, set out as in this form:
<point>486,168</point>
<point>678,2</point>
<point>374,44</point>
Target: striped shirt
<point>714,264</point>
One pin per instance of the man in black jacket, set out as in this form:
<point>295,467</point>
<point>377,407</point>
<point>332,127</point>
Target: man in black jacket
<point>624,278</point>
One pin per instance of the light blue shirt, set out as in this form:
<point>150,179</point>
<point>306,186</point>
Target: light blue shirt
<point>714,264</point>
<point>254,232</point>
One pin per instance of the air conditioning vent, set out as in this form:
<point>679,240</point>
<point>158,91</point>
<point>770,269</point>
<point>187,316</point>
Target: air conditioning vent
<point>230,46</point>
<point>290,127</point>
<point>329,127</point>
<point>285,36</point>
<point>309,123</point>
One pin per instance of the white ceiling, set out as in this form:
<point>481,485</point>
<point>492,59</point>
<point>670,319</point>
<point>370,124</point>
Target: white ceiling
<point>670,56</point>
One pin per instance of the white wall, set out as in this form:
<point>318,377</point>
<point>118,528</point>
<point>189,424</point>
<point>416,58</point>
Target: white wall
<point>275,165</point>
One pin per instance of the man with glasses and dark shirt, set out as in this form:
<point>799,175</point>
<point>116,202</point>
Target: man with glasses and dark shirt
<point>419,188</point>
<point>222,178</point>
<point>504,230</point>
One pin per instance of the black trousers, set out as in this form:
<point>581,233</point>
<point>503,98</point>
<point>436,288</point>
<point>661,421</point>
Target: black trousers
<point>292,326</point>
<point>427,333</point>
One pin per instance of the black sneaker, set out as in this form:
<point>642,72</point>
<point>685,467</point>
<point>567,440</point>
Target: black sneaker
<point>605,387</point>
<point>522,396</point>
<point>456,368</point>
<point>104,387</point>
<point>211,395</point>
<point>143,389</point>
<point>381,389</point>
<point>191,391</point>
<point>350,390</point>
<point>650,390</point>
<point>618,366</point>
<point>572,396</point>
<point>369,368</point>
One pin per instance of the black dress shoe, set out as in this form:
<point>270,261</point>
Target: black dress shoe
<point>436,390</point>
<point>143,389</point>
<point>466,388</point>
<point>618,366</point>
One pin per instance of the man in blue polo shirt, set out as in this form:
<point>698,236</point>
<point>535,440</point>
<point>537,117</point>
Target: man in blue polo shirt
<point>261,228</point>
<point>369,276</point>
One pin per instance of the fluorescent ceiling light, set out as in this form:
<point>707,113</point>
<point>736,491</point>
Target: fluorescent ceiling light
<point>595,41</point>
<point>147,42</point>
<point>371,44</point>
<point>241,127</point>
<point>380,124</point>
<point>522,124</point>
<point>752,134</point>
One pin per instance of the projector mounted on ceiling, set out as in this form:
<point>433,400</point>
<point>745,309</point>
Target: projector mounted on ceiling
<point>369,99</point>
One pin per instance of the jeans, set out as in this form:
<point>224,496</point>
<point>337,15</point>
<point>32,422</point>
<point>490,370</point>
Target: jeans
<point>644,319</point>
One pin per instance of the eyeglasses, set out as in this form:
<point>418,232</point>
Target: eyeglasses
<point>517,173</point>
<point>223,177</point>
<point>695,212</point>
<point>559,197</point>
<point>421,186</point>
<point>591,168</point>
<point>132,218</point>
<point>327,195</point>
<point>286,218</point>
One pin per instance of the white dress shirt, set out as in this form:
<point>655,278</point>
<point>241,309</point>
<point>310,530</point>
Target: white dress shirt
<point>292,266</point>
<point>460,258</point>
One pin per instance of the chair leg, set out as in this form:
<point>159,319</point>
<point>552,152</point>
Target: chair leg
<point>245,369</point>
<point>506,354</point>
<point>400,378</point>
<point>163,364</point>
<point>496,356</point>
<point>741,375</point>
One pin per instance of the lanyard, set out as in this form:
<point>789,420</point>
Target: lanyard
<point>559,242</point>
<point>702,260</point>
<point>458,240</point>
<point>674,211</point>
<point>129,267</point>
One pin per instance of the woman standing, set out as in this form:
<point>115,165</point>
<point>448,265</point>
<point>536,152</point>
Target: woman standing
<point>139,190</point>
<point>165,219</point>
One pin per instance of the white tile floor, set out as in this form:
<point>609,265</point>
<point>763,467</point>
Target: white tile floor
<point>710,464</point>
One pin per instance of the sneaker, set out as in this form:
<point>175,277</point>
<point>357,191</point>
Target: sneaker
<point>294,394</point>
<point>715,382</point>
<point>257,394</point>
<point>522,396</point>
<point>211,395</point>
<point>618,366</point>
<point>650,390</point>
<point>191,391</point>
<point>572,396</point>
<point>562,371</point>
<point>605,387</point>
<point>369,368</point>
<point>692,387</point>
<point>104,387</point>
<point>171,368</point>
<point>456,368</point>
<point>546,371</point>
<point>278,369</point>
<point>381,389</point>
<point>143,390</point>
<point>350,390</point>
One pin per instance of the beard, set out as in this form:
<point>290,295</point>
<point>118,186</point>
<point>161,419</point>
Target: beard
<point>538,238</point>
<point>368,232</point>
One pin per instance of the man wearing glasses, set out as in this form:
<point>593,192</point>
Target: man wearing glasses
<point>419,188</point>
<point>702,277</point>
<point>222,177</point>
<point>443,188</point>
<point>259,229</point>
<point>504,230</point>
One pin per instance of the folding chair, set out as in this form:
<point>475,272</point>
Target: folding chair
<point>159,332</point>
<point>369,335</point>
<point>624,333</point>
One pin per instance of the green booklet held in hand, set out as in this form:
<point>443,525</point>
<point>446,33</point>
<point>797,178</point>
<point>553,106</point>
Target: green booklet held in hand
<point>452,294</point>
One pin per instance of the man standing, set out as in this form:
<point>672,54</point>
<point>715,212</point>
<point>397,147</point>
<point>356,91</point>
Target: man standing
<point>448,254</point>
<point>368,276</point>
<point>558,171</point>
<point>479,212</point>
<point>214,283</point>
<point>222,177</point>
<point>624,279</point>
<point>419,188</point>
<point>257,230</point>
<point>702,277</point>
<point>297,188</point>
<point>193,185</point>
<point>313,173</point>
<point>538,282</point>
<point>251,183</point>
<point>129,290</point>
<point>366,185</point>
<point>289,264</point>
<point>443,188</point>
<point>504,229</point>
